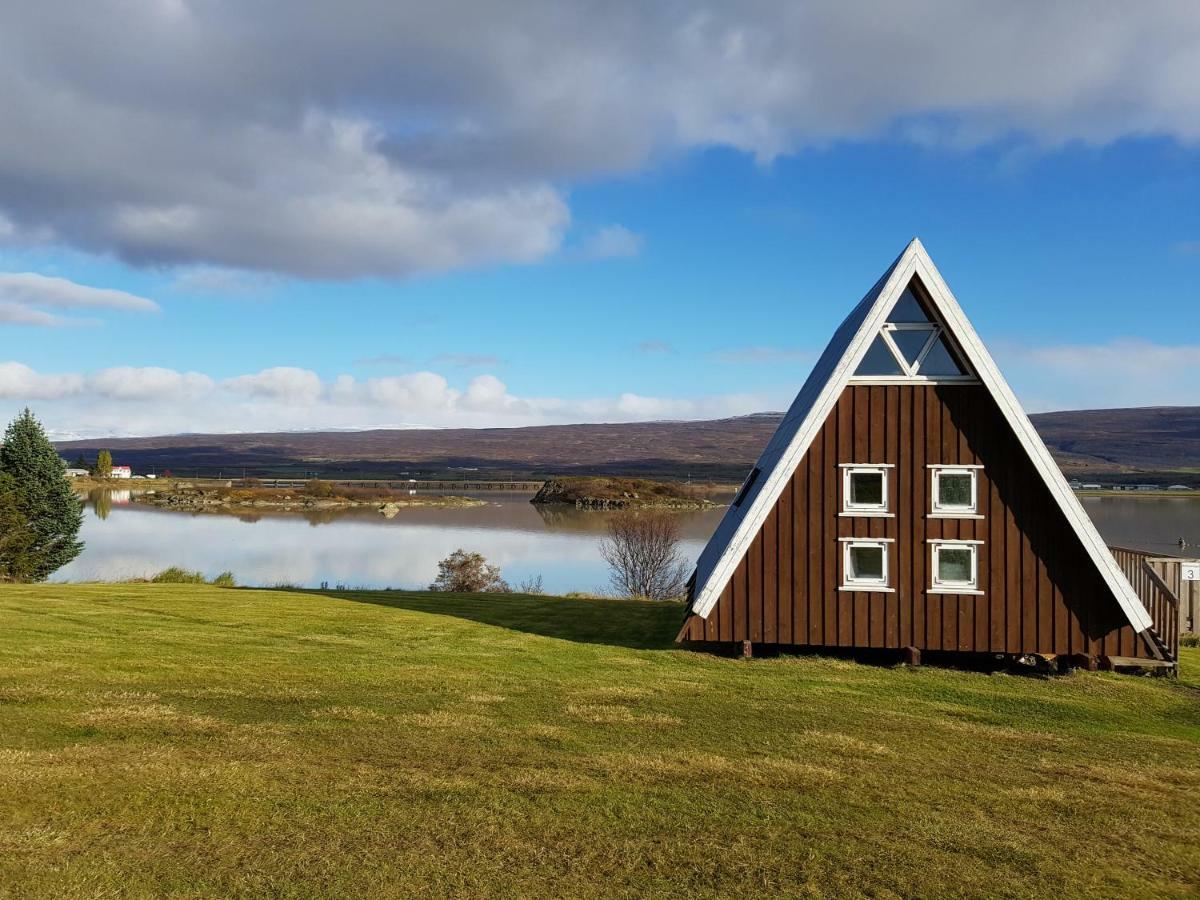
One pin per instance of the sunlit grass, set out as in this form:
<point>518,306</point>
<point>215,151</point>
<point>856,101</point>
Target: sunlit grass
<point>182,738</point>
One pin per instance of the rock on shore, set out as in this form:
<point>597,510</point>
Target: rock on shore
<point>618,493</point>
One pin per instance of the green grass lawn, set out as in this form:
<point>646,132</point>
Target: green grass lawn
<point>189,740</point>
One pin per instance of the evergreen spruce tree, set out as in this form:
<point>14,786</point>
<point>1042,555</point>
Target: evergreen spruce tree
<point>39,491</point>
<point>16,537</point>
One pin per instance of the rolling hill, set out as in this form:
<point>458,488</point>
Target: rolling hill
<point>1118,443</point>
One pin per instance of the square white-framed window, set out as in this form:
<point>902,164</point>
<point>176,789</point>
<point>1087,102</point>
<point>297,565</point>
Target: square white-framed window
<point>955,490</point>
<point>865,489</point>
<point>954,566</point>
<point>865,564</point>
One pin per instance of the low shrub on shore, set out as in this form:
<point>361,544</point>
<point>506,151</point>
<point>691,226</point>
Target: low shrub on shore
<point>180,575</point>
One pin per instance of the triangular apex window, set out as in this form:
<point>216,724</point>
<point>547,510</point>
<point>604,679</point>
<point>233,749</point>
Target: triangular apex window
<point>912,345</point>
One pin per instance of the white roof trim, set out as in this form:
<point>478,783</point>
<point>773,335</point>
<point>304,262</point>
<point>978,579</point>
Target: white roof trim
<point>744,522</point>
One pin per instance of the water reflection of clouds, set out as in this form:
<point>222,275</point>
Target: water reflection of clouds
<point>355,550</point>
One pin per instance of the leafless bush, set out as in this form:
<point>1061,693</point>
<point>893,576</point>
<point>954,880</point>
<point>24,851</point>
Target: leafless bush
<point>531,585</point>
<point>469,573</point>
<point>642,549</point>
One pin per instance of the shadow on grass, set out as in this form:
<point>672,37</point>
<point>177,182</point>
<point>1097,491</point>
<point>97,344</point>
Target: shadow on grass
<point>634,624</point>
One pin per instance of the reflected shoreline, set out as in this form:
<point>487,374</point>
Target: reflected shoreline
<point>361,548</point>
<point>357,547</point>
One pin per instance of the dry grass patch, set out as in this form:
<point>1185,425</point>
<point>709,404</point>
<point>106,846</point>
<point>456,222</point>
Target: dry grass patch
<point>348,714</point>
<point>443,718</point>
<point>149,715</point>
<point>181,740</point>
<point>759,771</point>
<point>602,714</point>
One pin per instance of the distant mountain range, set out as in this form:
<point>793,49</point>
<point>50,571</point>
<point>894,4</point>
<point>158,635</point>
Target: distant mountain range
<point>1123,444</point>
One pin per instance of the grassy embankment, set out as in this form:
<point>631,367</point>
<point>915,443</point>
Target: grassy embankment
<point>159,739</point>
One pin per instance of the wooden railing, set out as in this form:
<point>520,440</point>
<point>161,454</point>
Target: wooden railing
<point>1156,595</point>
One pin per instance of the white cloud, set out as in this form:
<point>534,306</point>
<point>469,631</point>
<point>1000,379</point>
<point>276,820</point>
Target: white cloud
<point>145,401</point>
<point>23,296</point>
<point>16,314</point>
<point>424,391</point>
<point>1124,372</point>
<point>396,140</point>
<point>19,382</point>
<point>32,289</point>
<point>148,383</point>
<point>612,242</point>
<point>284,383</point>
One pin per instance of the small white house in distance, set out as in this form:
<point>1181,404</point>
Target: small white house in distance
<point>121,472</point>
<point>76,473</point>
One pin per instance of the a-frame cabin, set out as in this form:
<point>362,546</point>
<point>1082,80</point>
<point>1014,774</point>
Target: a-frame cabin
<point>906,502</point>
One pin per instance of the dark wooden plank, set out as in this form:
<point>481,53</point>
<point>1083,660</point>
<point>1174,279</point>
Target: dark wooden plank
<point>754,590</point>
<point>917,555</point>
<point>875,440</point>
<point>770,578</point>
<point>996,564</point>
<point>1012,560</point>
<point>949,452</point>
<point>741,627</point>
<point>950,615</point>
<point>861,435</point>
<point>800,598</point>
<point>1028,570</point>
<point>892,442</point>
<point>830,475</point>
<point>816,545</point>
<point>785,600</point>
<point>905,514</point>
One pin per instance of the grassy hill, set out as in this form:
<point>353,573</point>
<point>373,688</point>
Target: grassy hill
<point>1087,442</point>
<point>172,739</point>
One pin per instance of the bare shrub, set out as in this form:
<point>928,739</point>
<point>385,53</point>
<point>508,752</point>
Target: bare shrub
<point>531,585</point>
<point>469,573</point>
<point>642,549</point>
<point>315,487</point>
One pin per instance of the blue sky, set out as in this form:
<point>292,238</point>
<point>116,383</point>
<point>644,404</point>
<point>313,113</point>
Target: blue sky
<point>543,280</point>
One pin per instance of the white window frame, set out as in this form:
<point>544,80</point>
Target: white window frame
<point>910,372</point>
<point>939,586</point>
<point>937,510</point>
<point>880,510</point>
<point>869,585</point>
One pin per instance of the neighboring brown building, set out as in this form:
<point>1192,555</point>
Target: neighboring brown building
<point>907,502</point>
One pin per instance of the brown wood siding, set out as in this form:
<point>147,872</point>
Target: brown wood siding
<point>1041,592</point>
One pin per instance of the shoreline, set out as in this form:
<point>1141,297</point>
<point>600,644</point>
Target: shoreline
<point>190,497</point>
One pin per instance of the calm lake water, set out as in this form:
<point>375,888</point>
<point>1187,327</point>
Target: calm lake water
<point>363,549</point>
<point>357,548</point>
